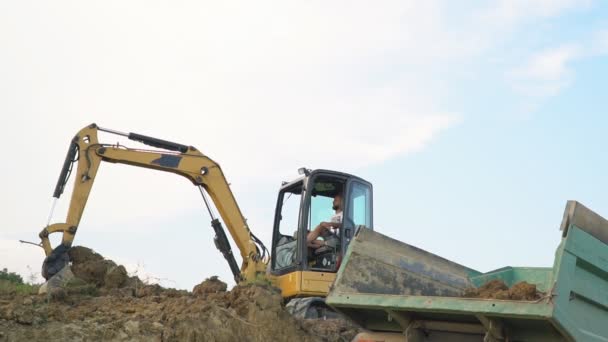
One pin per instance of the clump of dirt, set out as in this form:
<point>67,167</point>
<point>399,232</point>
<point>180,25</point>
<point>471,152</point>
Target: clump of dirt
<point>81,255</point>
<point>115,277</point>
<point>493,289</point>
<point>92,268</point>
<point>332,329</point>
<point>497,289</point>
<point>108,307</point>
<point>524,291</point>
<point>210,285</point>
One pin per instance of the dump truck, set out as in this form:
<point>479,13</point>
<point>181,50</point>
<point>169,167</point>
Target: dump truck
<point>403,293</point>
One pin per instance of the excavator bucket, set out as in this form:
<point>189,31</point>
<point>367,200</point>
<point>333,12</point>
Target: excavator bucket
<point>375,263</point>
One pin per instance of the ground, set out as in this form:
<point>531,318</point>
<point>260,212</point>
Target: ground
<point>104,303</point>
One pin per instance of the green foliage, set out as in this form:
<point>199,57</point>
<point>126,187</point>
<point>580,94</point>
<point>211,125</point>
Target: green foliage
<point>10,276</point>
<point>260,280</point>
<point>11,288</point>
<point>12,283</point>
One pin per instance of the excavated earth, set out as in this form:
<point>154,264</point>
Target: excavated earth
<point>103,303</point>
<point>497,289</point>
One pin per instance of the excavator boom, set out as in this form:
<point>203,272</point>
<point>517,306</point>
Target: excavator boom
<point>87,153</point>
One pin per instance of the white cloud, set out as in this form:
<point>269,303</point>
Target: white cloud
<point>509,13</point>
<point>546,72</point>
<point>262,89</point>
<point>550,65</point>
<point>599,44</point>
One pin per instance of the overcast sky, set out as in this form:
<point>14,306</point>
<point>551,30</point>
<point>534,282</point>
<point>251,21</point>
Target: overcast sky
<point>475,121</point>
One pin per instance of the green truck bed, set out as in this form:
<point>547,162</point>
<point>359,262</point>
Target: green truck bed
<point>389,286</point>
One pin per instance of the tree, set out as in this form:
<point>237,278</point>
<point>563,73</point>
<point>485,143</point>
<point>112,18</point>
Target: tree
<point>10,276</point>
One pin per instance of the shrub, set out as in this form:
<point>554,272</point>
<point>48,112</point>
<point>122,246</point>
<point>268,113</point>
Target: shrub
<point>12,283</point>
<point>10,276</point>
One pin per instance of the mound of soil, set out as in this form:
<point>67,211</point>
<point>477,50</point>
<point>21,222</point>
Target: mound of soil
<point>210,285</point>
<point>94,269</point>
<point>331,329</point>
<point>497,289</point>
<point>524,291</point>
<point>125,309</point>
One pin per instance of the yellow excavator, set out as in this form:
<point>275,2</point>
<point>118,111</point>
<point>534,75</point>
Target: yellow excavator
<point>298,270</point>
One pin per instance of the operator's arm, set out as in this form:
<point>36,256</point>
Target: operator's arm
<point>315,233</point>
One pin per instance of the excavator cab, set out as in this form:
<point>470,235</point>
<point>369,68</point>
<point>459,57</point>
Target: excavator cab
<point>301,206</point>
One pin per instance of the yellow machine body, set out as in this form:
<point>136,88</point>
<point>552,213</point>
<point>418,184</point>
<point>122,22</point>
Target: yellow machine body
<point>304,283</point>
<point>86,153</point>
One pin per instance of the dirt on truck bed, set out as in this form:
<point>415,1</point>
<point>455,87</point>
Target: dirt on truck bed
<point>103,303</point>
<point>497,289</point>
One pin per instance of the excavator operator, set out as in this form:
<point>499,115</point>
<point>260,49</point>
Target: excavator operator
<point>286,253</point>
<point>323,229</point>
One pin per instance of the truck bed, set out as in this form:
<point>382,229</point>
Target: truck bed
<point>389,286</point>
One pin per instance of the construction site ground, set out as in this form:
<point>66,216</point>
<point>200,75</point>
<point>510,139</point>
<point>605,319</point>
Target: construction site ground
<point>102,302</point>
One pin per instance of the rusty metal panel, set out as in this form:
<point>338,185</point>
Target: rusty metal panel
<point>378,264</point>
<point>587,220</point>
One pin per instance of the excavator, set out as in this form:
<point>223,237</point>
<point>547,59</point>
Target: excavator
<point>291,265</point>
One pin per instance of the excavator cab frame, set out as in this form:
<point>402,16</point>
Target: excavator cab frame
<point>299,269</point>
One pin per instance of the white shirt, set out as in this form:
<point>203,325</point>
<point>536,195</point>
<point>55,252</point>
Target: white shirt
<point>337,218</point>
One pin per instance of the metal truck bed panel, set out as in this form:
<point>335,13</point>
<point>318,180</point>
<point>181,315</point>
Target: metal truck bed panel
<point>375,263</point>
<point>574,307</point>
<point>454,324</point>
<point>581,286</point>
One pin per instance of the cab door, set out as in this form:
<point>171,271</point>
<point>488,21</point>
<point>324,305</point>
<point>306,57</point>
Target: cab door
<point>358,209</point>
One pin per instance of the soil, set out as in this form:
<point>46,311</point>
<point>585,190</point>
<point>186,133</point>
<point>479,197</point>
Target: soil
<point>497,289</point>
<point>94,269</point>
<point>211,285</point>
<point>104,303</point>
<point>331,329</point>
<point>524,291</point>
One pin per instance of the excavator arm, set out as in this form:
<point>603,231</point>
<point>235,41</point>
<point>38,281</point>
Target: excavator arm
<point>87,153</point>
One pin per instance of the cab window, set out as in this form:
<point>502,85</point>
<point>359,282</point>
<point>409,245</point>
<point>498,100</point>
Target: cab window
<point>322,200</point>
<point>286,245</point>
<point>320,210</point>
<point>360,205</point>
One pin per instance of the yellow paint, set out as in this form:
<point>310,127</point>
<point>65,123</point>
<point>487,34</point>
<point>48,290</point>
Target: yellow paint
<point>190,166</point>
<point>304,283</point>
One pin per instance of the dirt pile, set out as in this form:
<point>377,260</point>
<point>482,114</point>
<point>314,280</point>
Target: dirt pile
<point>497,289</point>
<point>125,309</point>
<point>331,329</point>
<point>211,285</point>
<point>94,269</point>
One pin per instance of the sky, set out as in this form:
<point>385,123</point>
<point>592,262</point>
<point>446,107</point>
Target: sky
<point>475,120</point>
